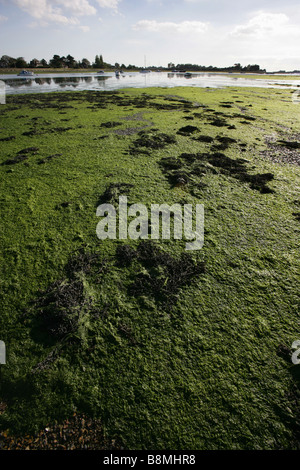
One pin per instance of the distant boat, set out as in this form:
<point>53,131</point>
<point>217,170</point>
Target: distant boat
<point>101,71</point>
<point>26,73</point>
<point>188,75</point>
<point>145,71</point>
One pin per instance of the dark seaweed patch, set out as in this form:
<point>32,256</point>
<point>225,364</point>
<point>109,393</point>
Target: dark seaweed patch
<point>225,139</point>
<point>113,192</point>
<point>101,137</point>
<point>151,140</point>
<point>179,178</point>
<point>171,163</point>
<point>184,170</point>
<point>17,159</point>
<point>238,170</point>
<point>59,307</point>
<point>163,275</point>
<point>224,143</point>
<point>204,138</point>
<point>29,150</point>
<point>288,144</point>
<point>8,139</point>
<point>218,122</point>
<point>21,155</point>
<point>110,124</point>
<point>85,261</point>
<point>245,117</point>
<point>50,157</point>
<point>189,157</point>
<point>31,133</point>
<point>61,129</point>
<point>125,255</point>
<point>187,130</point>
<point>297,215</point>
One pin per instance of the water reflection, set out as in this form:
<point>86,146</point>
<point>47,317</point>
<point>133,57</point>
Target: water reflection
<point>109,81</point>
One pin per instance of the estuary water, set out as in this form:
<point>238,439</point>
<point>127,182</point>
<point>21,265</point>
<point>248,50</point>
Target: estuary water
<point>43,83</point>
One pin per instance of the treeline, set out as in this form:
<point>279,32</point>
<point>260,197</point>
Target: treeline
<point>59,62</point>
<point>69,62</point>
<point>235,68</point>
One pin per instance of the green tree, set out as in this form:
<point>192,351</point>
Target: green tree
<point>34,63</point>
<point>56,62</point>
<point>21,63</point>
<point>85,63</point>
<point>70,61</point>
<point>99,63</point>
<point>96,64</point>
<point>6,61</point>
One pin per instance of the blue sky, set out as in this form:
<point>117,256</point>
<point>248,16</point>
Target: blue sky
<point>207,32</point>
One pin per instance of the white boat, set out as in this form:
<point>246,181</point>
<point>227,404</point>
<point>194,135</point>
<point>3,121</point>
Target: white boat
<point>26,73</point>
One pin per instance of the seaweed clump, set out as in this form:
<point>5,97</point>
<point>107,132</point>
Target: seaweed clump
<point>61,306</point>
<point>161,276</point>
<point>21,156</point>
<point>113,192</point>
<point>151,140</point>
<point>188,168</point>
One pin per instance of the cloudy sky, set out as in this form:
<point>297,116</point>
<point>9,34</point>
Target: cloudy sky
<point>206,32</point>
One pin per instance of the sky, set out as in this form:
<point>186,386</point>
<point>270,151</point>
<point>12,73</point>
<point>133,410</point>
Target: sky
<point>155,32</point>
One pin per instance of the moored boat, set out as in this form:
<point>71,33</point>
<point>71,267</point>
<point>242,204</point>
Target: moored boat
<point>26,73</point>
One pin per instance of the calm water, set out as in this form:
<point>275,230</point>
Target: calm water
<point>108,81</point>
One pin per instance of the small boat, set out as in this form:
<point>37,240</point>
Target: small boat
<point>101,71</point>
<point>26,73</point>
<point>144,71</point>
<point>188,75</point>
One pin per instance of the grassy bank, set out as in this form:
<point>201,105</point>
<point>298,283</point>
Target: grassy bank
<point>161,348</point>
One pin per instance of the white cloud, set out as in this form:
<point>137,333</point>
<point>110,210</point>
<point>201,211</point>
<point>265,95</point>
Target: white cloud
<point>168,26</point>
<point>3,18</point>
<point>85,29</point>
<point>263,24</point>
<point>77,7</point>
<point>113,4</point>
<point>65,12</point>
<point>43,10</point>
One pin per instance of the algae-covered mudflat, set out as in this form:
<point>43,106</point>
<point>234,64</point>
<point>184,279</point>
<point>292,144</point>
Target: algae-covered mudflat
<point>139,344</point>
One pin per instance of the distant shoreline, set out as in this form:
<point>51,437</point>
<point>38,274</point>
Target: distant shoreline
<point>273,75</point>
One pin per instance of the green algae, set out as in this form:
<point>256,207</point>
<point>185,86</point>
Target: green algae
<point>87,324</point>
